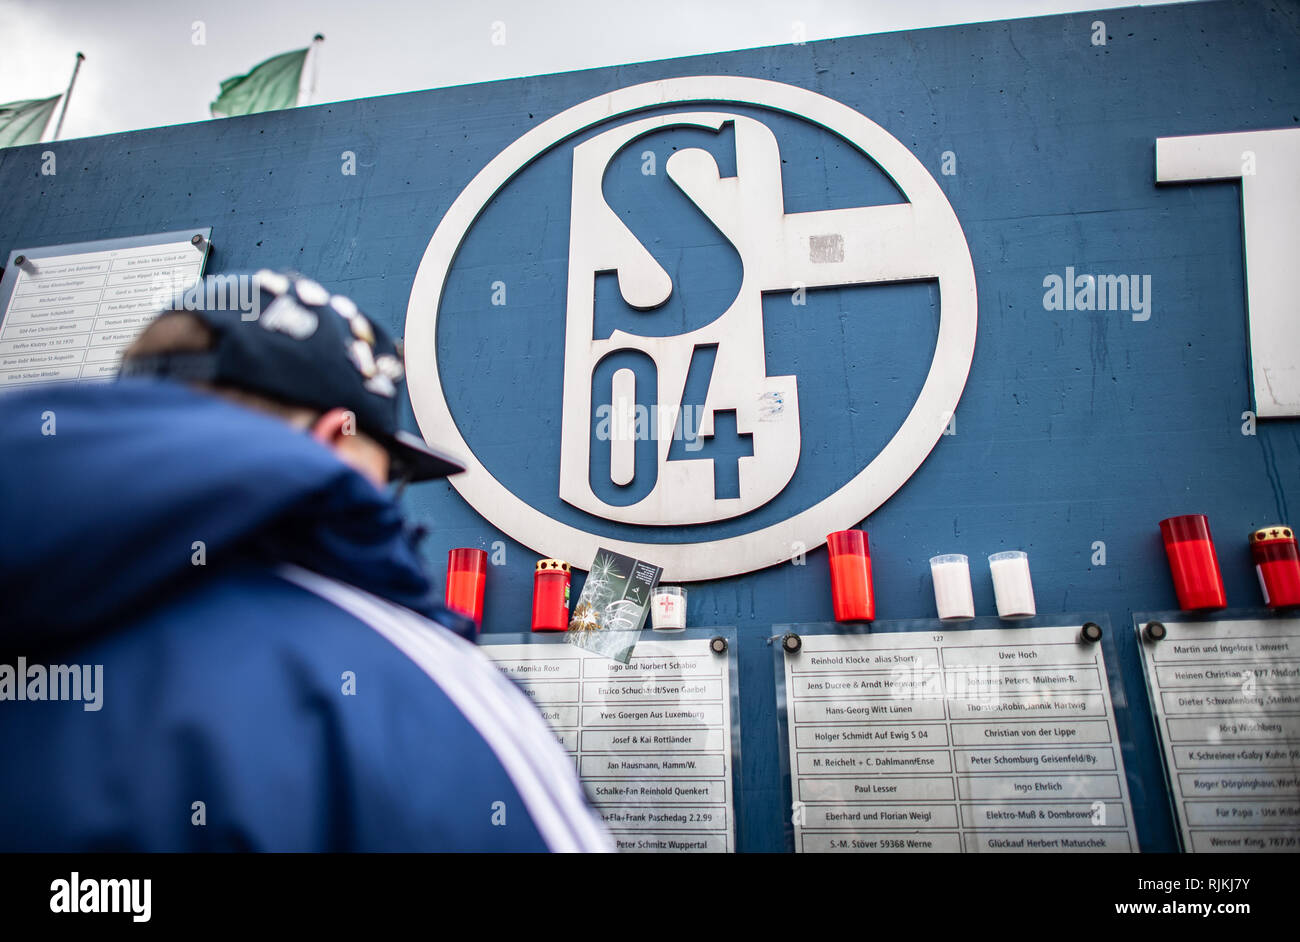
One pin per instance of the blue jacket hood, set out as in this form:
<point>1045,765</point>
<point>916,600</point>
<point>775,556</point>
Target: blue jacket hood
<point>107,490</point>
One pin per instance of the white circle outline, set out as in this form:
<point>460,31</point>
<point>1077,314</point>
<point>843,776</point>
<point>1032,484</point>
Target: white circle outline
<point>777,543</point>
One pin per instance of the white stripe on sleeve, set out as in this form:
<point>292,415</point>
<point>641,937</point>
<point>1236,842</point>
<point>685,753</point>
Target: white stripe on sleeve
<point>506,719</point>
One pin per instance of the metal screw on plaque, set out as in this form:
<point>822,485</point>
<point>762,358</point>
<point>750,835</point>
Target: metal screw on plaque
<point>1091,632</point>
<point>1155,631</point>
<point>791,643</point>
<point>20,260</point>
<point>718,645</point>
<point>197,240</point>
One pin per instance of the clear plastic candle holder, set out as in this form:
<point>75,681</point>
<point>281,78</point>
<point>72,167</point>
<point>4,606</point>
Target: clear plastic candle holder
<point>1012,587</point>
<point>952,594</point>
<point>668,608</point>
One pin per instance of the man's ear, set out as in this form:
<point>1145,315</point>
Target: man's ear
<point>334,425</point>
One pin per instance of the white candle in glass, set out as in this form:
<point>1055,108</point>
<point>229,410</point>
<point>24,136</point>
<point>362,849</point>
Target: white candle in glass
<point>668,608</point>
<point>952,594</point>
<point>1011,584</point>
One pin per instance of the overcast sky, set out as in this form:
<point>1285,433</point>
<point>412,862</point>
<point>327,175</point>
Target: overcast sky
<point>143,67</point>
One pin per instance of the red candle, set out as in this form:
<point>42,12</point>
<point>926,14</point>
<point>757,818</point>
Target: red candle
<point>1193,563</point>
<point>1277,563</point>
<point>466,577</point>
<point>851,592</point>
<point>551,595</point>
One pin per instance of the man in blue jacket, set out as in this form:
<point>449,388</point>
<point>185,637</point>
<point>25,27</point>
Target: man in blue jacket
<point>215,631</point>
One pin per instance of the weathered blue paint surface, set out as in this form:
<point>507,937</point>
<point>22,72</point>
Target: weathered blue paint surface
<point>1075,427</point>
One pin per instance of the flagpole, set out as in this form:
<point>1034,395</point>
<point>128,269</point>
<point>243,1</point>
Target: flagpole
<point>313,53</point>
<point>67,97</point>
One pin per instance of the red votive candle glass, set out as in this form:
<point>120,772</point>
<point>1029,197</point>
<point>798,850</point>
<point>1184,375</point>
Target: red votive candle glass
<point>1277,563</point>
<point>466,577</point>
<point>851,592</point>
<point>551,595</point>
<point>1192,562</point>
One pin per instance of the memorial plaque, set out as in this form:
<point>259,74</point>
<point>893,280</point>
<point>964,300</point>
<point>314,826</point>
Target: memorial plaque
<point>68,312</point>
<point>965,740</point>
<point>652,739</point>
<point>1225,695</point>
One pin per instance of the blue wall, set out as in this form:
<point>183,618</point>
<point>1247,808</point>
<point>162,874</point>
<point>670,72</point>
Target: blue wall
<point>1075,427</point>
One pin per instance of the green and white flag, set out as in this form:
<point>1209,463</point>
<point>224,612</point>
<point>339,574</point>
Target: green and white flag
<point>269,87</point>
<point>23,122</point>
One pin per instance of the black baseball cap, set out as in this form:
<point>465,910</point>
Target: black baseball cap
<point>299,344</point>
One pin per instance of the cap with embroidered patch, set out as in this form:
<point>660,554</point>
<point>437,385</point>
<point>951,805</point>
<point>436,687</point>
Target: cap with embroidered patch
<point>303,345</point>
